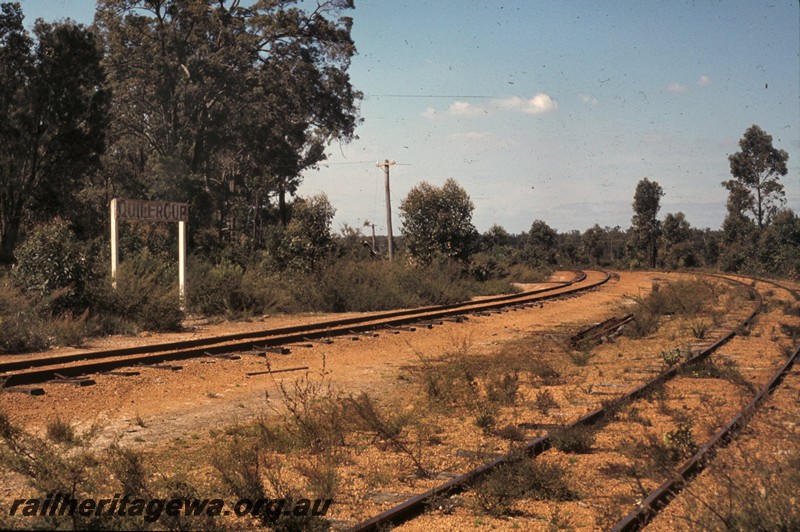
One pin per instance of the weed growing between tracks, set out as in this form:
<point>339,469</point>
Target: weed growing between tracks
<point>578,440</point>
<point>316,439</point>
<point>748,487</point>
<point>309,433</point>
<point>59,431</point>
<point>725,369</point>
<point>684,298</point>
<point>520,478</point>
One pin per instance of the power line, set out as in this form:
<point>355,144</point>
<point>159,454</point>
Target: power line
<point>473,96</point>
<point>349,162</point>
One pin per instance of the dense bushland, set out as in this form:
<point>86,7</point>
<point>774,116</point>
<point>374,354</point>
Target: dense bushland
<point>59,291</point>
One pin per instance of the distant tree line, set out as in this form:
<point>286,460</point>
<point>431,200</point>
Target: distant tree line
<point>758,235</point>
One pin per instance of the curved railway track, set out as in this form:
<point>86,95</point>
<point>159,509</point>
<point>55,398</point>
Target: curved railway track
<point>659,498</point>
<point>39,370</point>
<point>416,505</point>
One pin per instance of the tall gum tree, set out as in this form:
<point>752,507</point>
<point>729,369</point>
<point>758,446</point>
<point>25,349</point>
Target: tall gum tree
<point>235,101</point>
<point>756,171</point>
<point>53,105</point>
<point>646,227</point>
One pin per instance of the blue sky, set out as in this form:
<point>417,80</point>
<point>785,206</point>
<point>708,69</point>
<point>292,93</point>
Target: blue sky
<point>555,110</point>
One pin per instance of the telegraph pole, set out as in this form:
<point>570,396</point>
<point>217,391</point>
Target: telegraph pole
<point>385,165</point>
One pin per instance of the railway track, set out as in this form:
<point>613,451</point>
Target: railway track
<point>69,368</point>
<point>658,499</point>
<point>416,505</point>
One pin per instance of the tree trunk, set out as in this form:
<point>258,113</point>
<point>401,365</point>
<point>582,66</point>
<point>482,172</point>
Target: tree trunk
<point>8,240</point>
<point>282,204</point>
<point>760,212</point>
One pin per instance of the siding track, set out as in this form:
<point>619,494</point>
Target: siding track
<point>416,505</point>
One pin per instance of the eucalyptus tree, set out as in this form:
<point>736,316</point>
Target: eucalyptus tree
<point>756,171</point>
<point>645,225</point>
<point>52,118</point>
<point>222,104</point>
<point>540,245</point>
<point>437,222</point>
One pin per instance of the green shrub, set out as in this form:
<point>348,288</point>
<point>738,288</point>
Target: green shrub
<point>20,325</point>
<point>145,297</point>
<point>671,357</point>
<point>60,431</point>
<point>367,285</point>
<point>522,273</point>
<point>29,325</point>
<point>680,442</point>
<point>268,291</point>
<point>484,267</point>
<point>52,261</point>
<point>522,478</point>
<point>573,439</point>
<point>307,240</point>
<point>219,289</point>
<point>349,285</point>
<point>437,285</point>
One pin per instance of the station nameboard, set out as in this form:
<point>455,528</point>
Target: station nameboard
<point>152,211</point>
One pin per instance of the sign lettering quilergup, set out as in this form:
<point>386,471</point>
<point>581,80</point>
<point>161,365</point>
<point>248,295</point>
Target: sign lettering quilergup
<point>151,211</point>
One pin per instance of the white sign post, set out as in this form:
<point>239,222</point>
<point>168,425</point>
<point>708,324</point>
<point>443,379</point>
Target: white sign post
<point>151,211</point>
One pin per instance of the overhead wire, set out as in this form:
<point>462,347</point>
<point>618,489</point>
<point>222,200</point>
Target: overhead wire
<point>472,96</point>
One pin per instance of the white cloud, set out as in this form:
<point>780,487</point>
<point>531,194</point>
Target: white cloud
<point>676,87</point>
<point>704,81</point>
<point>588,99</point>
<point>541,103</point>
<point>509,103</point>
<point>430,113</point>
<point>465,109</point>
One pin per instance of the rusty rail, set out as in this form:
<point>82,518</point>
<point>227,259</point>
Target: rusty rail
<point>108,360</point>
<point>594,335</point>
<point>416,505</point>
<point>659,498</point>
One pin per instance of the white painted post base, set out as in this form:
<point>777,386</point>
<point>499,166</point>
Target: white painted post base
<point>182,263</point>
<point>114,244</point>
